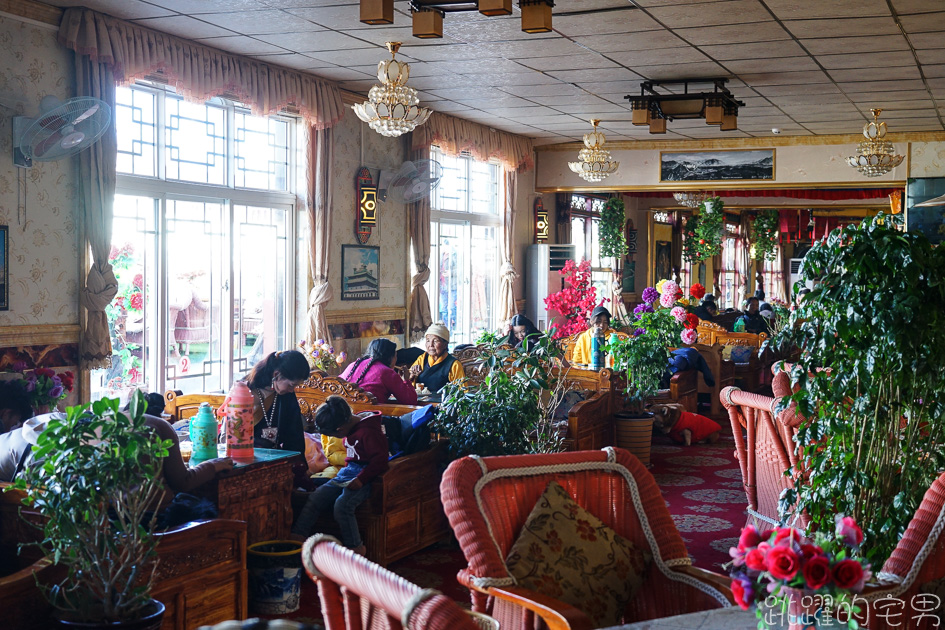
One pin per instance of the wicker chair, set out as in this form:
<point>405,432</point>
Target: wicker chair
<point>489,499</point>
<point>356,593</point>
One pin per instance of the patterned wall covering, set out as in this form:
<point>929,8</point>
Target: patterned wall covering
<point>43,243</point>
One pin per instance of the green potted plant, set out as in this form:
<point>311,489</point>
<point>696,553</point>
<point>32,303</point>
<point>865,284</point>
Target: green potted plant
<point>613,243</point>
<point>512,411</point>
<point>659,323</point>
<point>875,426</point>
<point>704,231</point>
<point>95,488</point>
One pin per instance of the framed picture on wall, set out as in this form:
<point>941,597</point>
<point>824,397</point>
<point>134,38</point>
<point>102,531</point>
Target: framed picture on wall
<point>713,166</point>
<point>664,261</point>
<point>4,269</point>
<point>360,272</point>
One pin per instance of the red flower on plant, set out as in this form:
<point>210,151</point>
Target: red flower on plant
<point>848,574</point>
<point>44,371</point>
<point>133,375</point>
<point>136,301</point>
<point>692,321</point>
<point>782,562</point>
<point>697,291</point>
<point>575,301</point>
<point>787,532</point>
<point>739,592</point>
<point>755,560</point>
<point>138,282</point>
<point>817,572</point>
<point>749,538</point>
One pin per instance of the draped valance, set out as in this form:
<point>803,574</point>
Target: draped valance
<point>454,135</point>
<point>198,72</point>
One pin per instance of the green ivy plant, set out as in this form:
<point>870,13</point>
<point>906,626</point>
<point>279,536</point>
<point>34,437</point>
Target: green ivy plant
<point>96,489</point>
<point>613,243</point>
<point>876,319</point>
<point>764,235</point>
<point>704,231</point>
<point>512,411</point>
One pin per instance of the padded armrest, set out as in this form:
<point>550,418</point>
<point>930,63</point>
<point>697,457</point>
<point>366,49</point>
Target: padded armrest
<point>715,580</point>
<point>556,614</point>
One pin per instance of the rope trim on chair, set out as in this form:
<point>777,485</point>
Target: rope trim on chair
<point>611,454</point>
<point>663,565</point>
<point>486,582</point>
<point>728,395</point>
<point>482,464</point>
<point>307,548</point>
<point>924,551</point>
<point>414,602</point>
<point>888,577</point>
<point>762,517</point>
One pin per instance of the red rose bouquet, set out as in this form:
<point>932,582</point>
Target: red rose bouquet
<point>44,387</point>
<point>779,571</point>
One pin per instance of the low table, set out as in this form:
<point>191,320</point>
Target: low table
<point>259,492</point>
<point>730,618</point>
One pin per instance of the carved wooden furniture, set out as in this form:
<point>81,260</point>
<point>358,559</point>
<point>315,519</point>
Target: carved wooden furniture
<point>259,493</point>
<point>683,389</point>
<point>182,406</point>
<point>591,423</point>
<point>497,494</point>
<point>471,358</point>
<point>347,581</point>
<point>707,331</point>
<point>723,371</point>
<point>567,344</point>
<point>319,386</point>
<point>201,573</point>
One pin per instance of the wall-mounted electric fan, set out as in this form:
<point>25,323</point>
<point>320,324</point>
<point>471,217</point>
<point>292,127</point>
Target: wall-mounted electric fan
<point>61,129</point>
<point>413,181</point>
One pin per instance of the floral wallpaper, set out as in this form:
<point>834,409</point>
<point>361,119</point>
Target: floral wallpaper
<point>927,159</point>
<point>43,242</point>
<point>390,233</point>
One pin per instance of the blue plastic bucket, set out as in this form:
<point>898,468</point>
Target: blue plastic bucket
<point>275,576</point>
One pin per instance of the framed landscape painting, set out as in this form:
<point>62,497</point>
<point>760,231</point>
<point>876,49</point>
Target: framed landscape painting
<point>360,272</point>
<point>715,166</point>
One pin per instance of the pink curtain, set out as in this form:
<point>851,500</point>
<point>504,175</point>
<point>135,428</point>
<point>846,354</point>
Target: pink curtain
<point>418,226</point>
<point>318,201</point>
<point>198,72</point>
<point>773,270</point>
<point>742,259</point>
<point>507,273</point>
<point>483,143</point>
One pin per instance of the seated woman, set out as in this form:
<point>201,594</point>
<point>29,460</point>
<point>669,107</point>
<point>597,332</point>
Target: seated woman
<point>374,373</point>
<point>436,367</point>
<point>522,333</point>
<point>276,412</point>
<point>600,323</point>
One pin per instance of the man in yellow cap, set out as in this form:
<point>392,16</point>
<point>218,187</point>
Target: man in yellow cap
<point>437,366</point>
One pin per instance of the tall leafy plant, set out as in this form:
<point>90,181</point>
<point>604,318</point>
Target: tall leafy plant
<point>704,231</point>
<point>613,243</point>
<point>764,235</point>
<point>876,319</point>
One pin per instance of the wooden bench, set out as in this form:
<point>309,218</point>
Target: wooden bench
<point>200,578</point>
<point>724,372</point>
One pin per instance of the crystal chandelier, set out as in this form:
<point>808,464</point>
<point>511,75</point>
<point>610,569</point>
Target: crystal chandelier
<point>877,155</point>
<point>690,199</point>
<point>594,160</point>
<point>392,108</point>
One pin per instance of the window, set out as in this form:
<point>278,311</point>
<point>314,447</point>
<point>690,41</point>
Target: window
<point>464,238</point>
<point>585,236</point>
<point>728,276</point>
<point>203,244</point>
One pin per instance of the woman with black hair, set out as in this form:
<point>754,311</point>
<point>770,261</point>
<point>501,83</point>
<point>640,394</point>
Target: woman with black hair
<point>522,332</point>
<point>374,373</point>
<point>276,412</point>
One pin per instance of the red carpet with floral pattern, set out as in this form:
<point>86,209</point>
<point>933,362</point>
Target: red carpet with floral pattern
<point>703,490</point>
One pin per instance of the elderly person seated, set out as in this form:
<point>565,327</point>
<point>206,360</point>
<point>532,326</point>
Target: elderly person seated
<point>600,324</point>
<point>436,367</point>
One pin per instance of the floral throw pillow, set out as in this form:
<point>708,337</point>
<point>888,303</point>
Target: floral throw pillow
<point>566,552</point>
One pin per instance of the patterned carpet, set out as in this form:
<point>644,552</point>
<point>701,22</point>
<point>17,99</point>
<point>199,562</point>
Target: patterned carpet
<point>703,490</point>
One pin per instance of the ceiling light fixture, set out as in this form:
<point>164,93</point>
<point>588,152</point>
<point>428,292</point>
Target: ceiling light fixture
<point>675,101</point>
<point>690,199</point>
<point>594,163</point>
<point>877,156</point>
<point>427,15</point>
<point>392,107</point>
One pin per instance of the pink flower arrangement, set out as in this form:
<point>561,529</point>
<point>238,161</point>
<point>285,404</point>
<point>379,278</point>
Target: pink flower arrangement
<point>44,387</point>
<point>773,566</point>
<point>689,336</point>
<point>321,356</point>
<point>575,301</point>
<point>679,313</point>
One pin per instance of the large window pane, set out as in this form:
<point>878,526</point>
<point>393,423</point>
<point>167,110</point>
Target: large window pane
<point>261,147</point>
<point>452,274</point>
<point>484,274</point>
<point>196,141</point>
<point>452,192</point>
<point>136,117</point>
<point>484,189</point>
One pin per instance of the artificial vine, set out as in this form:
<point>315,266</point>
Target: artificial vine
<point>704,231</point>
<point>612,219</point>
<point>764,235</point>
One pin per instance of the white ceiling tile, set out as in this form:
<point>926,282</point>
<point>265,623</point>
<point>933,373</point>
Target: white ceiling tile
<point>193,7</point>
<point>812,9</point>
<point>929,57</point>
<point>875,74</point>
<point>630,21</point>
<point>468,27</point>
<point>923,22</point>
<point>658,56</point>
<point>793,90</point>
<point>927,41</point>
<point>893,106</point>
<point>757,50</point>
<point>449,106</point>
<point>379,35</point>
<point>757,32</point>
<point>341,74</point>
<point>630,41</point>
<point>184,26</point>
<point>787,64</point>
<point>320,40</point>
<point>569,62</point>
<point>916,6</point>
<point>673,72</point>
<point>845,45</point>
<point>242,45</point>
<point>297,61</point>
<point>123,9</point>
<point>720,13</point>
<point>538,45</point>
<point>293,4</point>
<point>515,80</point>
<point>881,86</point>
<point>934,72</point>
<point>254,22</point>
<point>554,90</point>
<point>591,76</point>
<point>361,57</point>
<point>785,78</point>
<point>867,59</point>
<point>336,17</point>
<point>812,29</point>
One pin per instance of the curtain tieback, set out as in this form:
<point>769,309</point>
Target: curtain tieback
<point>508,271</point>
<point>320,293</point>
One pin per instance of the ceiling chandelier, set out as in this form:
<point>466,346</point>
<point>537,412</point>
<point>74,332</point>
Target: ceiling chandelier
<point>392,108</point>
<point>877,156</point>
<point>690,199</point>
<point>427,15</point>
<point>594,163</point>
<point>654,107</point>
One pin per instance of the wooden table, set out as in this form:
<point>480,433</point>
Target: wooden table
<point>730,618</point>
<point>259,493</point>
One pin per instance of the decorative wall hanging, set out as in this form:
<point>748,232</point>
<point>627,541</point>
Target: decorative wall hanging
<point>365,215</point>
<point>764,235</point>
<point>703,231</point>
<point>541,222</point>
<point>360,272</point>
<point>710,166</point>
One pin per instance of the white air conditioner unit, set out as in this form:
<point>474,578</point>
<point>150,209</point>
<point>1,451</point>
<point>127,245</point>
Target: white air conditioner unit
<point>795,275</point>
<point>542,264</point>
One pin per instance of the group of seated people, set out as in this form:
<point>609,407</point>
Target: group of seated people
<point>757,316</point>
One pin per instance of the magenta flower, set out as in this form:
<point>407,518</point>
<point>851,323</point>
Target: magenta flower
<point>650,295</point>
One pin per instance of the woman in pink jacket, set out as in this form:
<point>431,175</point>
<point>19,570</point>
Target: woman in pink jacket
<point>374,373</point>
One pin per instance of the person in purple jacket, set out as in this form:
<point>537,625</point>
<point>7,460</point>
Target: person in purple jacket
<point>367,460</point>
<point>374,372</point>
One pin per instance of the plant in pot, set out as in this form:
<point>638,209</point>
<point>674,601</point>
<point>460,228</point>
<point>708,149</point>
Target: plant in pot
<point>872,440</point>
<point>96,486</point>
<point>575,301</point>
<point>613,244</point>
<point>660,323</point>
<point>512,410</point>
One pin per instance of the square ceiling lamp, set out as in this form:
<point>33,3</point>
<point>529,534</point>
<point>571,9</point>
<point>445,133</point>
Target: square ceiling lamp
<point>377,11</point>
<point>675,101</point>
<point>427,23</point>
<point>493,8</point>
<point>536,15</point>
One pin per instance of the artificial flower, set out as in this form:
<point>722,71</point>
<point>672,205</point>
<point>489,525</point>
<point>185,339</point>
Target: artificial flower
<point>667,300</point>
<point>650,295</point>
<point>689,336</point>
<point>697,291</point>
<point>848,530</point>
<point>849,574</point>
<point>679,313</point>
<point>816,572</point>
<point>782,562</point>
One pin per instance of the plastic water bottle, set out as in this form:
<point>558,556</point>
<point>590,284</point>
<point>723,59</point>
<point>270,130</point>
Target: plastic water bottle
<point>597,350</point>
<point>610,355</point>
<point>239,423</point>
<point>739,325</point>
<point>203,433</point>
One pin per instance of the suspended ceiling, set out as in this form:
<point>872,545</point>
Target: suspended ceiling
<point>806,67</point>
